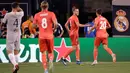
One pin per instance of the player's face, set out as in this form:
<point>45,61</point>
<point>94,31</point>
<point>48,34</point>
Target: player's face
<point>77,12</point>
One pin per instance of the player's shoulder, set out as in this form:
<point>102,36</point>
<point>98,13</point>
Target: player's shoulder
<point>51,13</point>
<point>72,17</point>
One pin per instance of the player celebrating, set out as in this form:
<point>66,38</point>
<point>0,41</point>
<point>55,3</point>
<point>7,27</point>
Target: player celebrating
<point>45,20</point>
<point>101,24</point>
<point>73,33</point>
<point>13,20</point>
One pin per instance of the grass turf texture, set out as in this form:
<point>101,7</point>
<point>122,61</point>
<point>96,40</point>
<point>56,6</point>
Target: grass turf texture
<point>102,67</point>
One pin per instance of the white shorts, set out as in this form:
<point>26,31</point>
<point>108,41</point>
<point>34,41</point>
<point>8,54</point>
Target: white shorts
<point>13,42</point>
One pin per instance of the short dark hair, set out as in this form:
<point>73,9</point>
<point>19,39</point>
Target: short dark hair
<point>44,4</point>
<point>73,8</point>
<point>15,5</point>
<point>99,11</point>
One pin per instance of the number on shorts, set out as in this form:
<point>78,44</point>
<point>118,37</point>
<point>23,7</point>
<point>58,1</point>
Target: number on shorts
<point>103,25</point>
<point>44,23</point>
<point>16,22</point>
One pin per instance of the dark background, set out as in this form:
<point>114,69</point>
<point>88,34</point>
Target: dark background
<point>62,9</point>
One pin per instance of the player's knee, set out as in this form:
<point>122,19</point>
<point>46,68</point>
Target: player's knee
<point>105,47</point>
<point>16,52</point>
<point>9,51</point>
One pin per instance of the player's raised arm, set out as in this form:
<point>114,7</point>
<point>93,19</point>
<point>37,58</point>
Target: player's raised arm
<point>19,11</point>
<point>67,26</point>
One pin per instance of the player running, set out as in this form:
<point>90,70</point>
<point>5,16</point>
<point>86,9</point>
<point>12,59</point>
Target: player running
<point>73,21</point>
<point>45,20</point>
<point>101,24</point>
<point>13,20</point>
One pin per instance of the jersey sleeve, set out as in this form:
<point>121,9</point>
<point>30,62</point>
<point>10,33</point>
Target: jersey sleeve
<point>5,18</point>
<point>76,20</point>
<point>53,17</point>
<point>35,19</point>
<point>95,21</point>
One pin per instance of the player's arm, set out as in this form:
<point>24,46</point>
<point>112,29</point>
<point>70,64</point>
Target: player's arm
<point>54,20</point>
<point>4,20</point>
<point>82,25</point>
<point>67,26</point>
<point>95,25</point>
<point>62,31</point>
<point>108,25</point>
<point>34,25</point>
<point>19,13</point>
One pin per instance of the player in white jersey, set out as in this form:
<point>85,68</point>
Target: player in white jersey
<point>13,21</point>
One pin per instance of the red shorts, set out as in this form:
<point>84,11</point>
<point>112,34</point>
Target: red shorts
<point>46,45</point>
<point>74,39</point>
<point>98,41</point>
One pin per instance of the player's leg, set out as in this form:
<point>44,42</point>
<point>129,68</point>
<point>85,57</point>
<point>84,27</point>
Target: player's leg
<point>77,53</point>
<point>43,48</point>
<point>74,45</point>
<point>10,52</point>
<point>105,46</point>
<point>16,52</point>
<point>50,49</point>
<point>95,51</point>
<point>63,59</point>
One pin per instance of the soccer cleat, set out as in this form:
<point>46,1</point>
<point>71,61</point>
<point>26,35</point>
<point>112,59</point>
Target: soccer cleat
<point>16,69</point>
<point>50,67</point>
<point>114,58</point>
<point>46,71</point>
<point>64,61</point>
<point>94,63</point>
<point>78,62</point>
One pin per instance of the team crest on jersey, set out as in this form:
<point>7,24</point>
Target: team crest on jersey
<point>121,23</point>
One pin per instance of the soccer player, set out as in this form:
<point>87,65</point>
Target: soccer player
<point>45,20</point>
<point>58,31</point>
<point>73,21</point>
<point>13,20</point>
<point>86,29</point>
<point>101,24</point>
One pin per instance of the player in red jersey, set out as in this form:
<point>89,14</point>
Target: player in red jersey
<point>45,20</point>
<point>73,21</point>
<point>101,24</point>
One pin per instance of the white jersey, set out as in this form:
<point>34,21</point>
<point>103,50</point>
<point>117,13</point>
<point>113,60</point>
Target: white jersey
<point>13,20</point>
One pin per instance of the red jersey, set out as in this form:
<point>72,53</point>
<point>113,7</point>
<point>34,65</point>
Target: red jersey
<point>101,23</point>
<point>44,20</point>
<point>73,27</point>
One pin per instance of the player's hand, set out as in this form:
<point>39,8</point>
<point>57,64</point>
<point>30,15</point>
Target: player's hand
<point>58,36</point>
<point>89,32</point>
<point>19,9</point>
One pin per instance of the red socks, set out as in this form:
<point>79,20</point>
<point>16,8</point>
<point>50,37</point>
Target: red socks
<point>44,61</point>
<point>95,53</point>
<point>77,53</point>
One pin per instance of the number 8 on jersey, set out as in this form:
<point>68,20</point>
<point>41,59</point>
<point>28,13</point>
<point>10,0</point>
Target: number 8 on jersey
<point>44,23</point>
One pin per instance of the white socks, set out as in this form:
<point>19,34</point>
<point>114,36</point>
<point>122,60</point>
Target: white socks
<point>12,59</point>
<point>17,58</point>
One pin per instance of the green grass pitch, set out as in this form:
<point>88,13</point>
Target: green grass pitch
<point>102,67</point>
